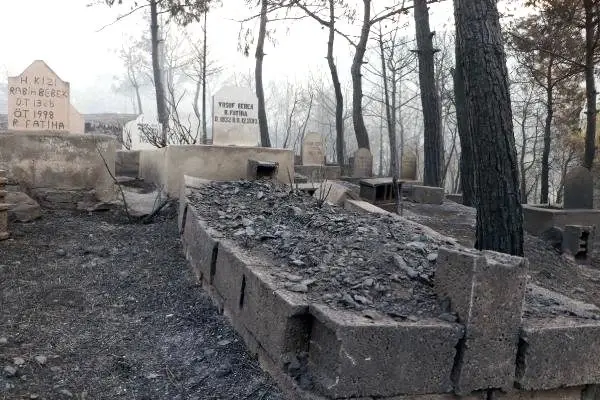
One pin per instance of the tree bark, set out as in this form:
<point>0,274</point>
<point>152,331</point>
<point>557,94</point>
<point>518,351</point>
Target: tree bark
<point>204,46</point>
<point>197,112</point>
<point>360,129</point>
<point>545,172</point>
<point>590,85</point>
<point>388,111</point>
<point>522,156</point>
<point>260,93</point>
<point>466,164</point>
<point>483,63</point>
<point>161,105</point>
<point>433,140</point>
<point>340,146</point>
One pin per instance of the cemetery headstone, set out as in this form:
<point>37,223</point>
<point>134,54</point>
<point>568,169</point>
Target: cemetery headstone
<point>38,100</point>
<point>235,117</point>
<point>313,150</point>
<point>362,166</point>
<point>579,189</point>
<point>409,167</point>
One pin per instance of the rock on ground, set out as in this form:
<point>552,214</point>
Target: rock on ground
<point>23,208</point>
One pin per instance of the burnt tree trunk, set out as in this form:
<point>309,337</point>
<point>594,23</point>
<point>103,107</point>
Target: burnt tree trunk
<point>360,130</point>
<point>466,165</point>
<point>265,141</point>
<point>340,146</point>
<point>590,85</point>
<point>433,141</point>
<point>161,101</point>
<point>483,64</point>
<point>388,111</point>
<point>204,44</point>
<point>547,136</point>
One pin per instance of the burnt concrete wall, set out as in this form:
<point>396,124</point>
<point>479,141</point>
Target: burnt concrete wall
<point>69,163</point>
<point>166,167</point>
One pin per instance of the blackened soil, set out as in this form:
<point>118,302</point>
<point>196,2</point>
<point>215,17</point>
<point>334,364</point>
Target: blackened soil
<point>111,311</point>
<point>336,257</point>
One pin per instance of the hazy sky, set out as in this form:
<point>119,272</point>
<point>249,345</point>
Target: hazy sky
<point>64,33</point>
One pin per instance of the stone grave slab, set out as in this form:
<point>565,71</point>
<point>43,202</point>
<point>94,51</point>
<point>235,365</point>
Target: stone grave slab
<point>38,100</point>
<point>313,149</point>
<point>579,189</point>
<point>235,117</point>
<point>362,164</point>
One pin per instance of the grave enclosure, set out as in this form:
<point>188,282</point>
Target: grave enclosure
<point>45,151</point>
<point>492,351</point>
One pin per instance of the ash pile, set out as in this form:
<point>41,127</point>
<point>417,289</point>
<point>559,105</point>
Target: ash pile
<point>335,256</point>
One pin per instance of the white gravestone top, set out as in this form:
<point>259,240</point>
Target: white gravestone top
<point>313,149</point>
<point>235,117</point>
<point>38,100</point>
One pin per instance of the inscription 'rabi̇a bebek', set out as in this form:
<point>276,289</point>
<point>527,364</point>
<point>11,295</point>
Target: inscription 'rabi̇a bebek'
<point>38,100</point>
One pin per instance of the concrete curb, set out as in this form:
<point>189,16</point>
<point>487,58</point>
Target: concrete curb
<point>352,356</point>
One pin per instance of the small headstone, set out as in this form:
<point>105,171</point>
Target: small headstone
<point>362,164</point>
<point>579,189</point>
<point>235,117</point>
<point>38,100</point>
<point>313,149</point>
<point>409,167</point>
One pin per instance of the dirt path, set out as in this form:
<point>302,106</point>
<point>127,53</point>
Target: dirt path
<point>92,308</point>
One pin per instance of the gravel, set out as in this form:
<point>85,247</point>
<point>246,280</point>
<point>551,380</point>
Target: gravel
<point>337,257</point>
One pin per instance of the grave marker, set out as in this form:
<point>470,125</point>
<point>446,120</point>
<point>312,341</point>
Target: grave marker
<point>235,117</point>
<point>579,189</point>
<point>362,164</point>
<point>313,149</point>
<point>38,100</point>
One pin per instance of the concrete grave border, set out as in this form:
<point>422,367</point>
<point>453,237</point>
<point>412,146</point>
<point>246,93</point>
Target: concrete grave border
<point>352,356</point>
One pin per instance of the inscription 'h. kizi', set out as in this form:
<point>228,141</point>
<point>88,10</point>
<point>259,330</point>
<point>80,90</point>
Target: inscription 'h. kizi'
<point>38,100</point>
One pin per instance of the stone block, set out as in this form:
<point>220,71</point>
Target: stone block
<point>486,289</point>
<point>353,356</point>
<point>363,207</point>
<point>579,189</point>
<point>577,241</point>
<point>333,192</point>
<point>573,393</point>
<point>558,352</point>
<point>200,244</point>
<point>22,207</point>
<point>427,194</point>
<point>277,319</point>
<point>455,197</point>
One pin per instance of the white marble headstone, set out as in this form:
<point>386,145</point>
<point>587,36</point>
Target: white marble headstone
<point>235,117</point>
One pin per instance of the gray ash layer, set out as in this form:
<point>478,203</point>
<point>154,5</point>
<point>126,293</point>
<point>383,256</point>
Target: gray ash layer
<point>335,256</point>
